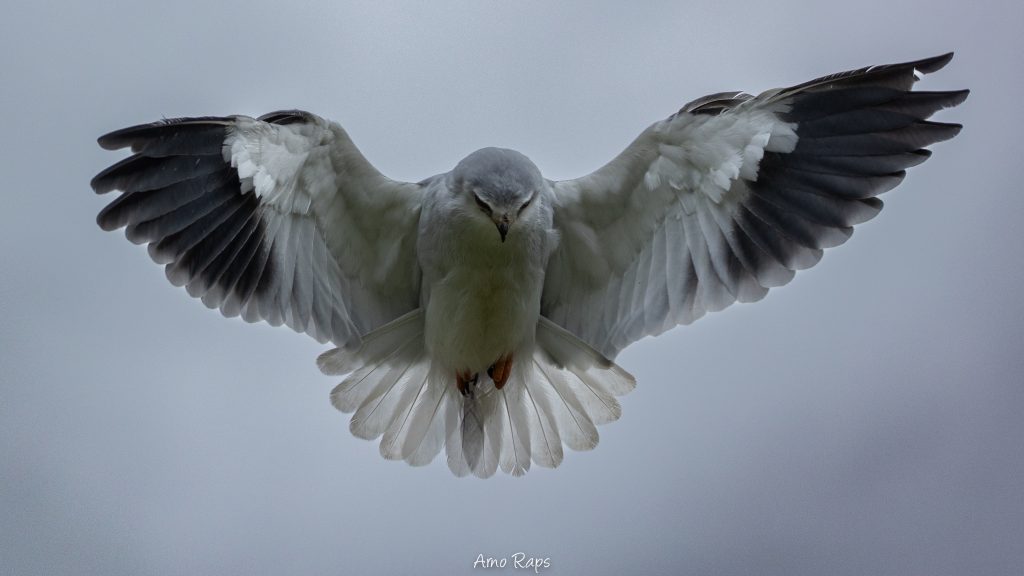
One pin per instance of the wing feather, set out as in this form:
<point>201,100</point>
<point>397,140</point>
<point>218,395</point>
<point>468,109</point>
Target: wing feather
<point>278,218</point>
<point>730,196</point>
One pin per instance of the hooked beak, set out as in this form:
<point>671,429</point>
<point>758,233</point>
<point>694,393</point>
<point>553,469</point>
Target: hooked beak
<point>503,228</point>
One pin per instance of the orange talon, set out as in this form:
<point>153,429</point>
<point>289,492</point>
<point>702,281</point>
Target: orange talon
<point>500,371</point>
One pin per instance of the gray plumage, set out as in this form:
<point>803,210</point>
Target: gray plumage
<point>419,285</point>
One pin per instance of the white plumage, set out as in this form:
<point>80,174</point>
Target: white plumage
<point>479,311</point>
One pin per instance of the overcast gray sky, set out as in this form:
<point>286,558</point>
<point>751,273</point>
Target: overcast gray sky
<point>866,419</point>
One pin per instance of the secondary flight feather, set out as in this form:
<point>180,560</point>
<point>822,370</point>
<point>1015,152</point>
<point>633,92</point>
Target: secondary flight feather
<point>479,311</point>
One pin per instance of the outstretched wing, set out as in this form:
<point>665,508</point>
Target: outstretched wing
<point>279,218</point>
<point>730,196</point>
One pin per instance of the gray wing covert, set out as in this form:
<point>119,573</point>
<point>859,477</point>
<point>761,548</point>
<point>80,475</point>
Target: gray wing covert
<point>278,218</point>
<point>730,196</point>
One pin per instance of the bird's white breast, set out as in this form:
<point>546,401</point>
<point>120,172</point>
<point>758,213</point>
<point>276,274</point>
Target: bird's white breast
<point>481,295</point>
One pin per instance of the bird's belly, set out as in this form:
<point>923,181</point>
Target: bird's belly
<point>475,316</point>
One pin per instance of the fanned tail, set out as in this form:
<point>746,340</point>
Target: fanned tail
<point>558,393</point>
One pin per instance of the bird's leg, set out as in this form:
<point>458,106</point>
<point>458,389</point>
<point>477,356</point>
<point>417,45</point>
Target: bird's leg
<point>501,370</point>
<point>463,380</point>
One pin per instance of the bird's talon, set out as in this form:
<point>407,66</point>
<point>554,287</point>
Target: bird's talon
<point>466,383</point>
<point>500,371</point>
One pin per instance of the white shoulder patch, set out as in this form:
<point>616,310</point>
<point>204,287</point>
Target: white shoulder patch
<point>280,162</point>
<point>706,154</point>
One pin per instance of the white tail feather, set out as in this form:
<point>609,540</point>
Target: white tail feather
<point>481,431</point>
<point>576,426</point>
<point>515,447</point>
<point>406,436</point>
<point>434,431</point>
<point>544,437</point>
<point>394,390</point>
<point>409,414</point>
<point>454,452</point>
<point>558,392</point>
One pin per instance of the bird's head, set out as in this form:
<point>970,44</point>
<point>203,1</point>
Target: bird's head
<point>498,183</point>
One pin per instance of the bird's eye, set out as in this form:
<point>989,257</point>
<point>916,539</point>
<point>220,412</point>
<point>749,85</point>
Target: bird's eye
<point>483,205</point>
<point>527,203</point>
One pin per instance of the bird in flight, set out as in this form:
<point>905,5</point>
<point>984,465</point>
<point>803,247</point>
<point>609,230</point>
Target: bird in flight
<point>480,311</point>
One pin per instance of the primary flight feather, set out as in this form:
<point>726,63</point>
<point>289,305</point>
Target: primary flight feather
<point>479,311</point>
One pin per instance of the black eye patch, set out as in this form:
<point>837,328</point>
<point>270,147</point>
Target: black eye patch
<point>483,205</point>
<point>527,203</point>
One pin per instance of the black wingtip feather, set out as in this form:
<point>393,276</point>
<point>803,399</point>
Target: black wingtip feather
<point>915,136</point>
<point>899,76</point>
<point>132,135</point>
<point>180,136</point>
<point>285,117</point>
<point>141,172</point>
<point>101,183</point>
<point>929,65</point>
<point>956,97</point>
<point>924,65</point>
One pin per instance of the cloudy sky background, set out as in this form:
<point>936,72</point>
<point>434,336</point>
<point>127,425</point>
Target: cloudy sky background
<point>865,419</point>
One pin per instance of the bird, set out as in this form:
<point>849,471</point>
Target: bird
<point>480,311</point>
